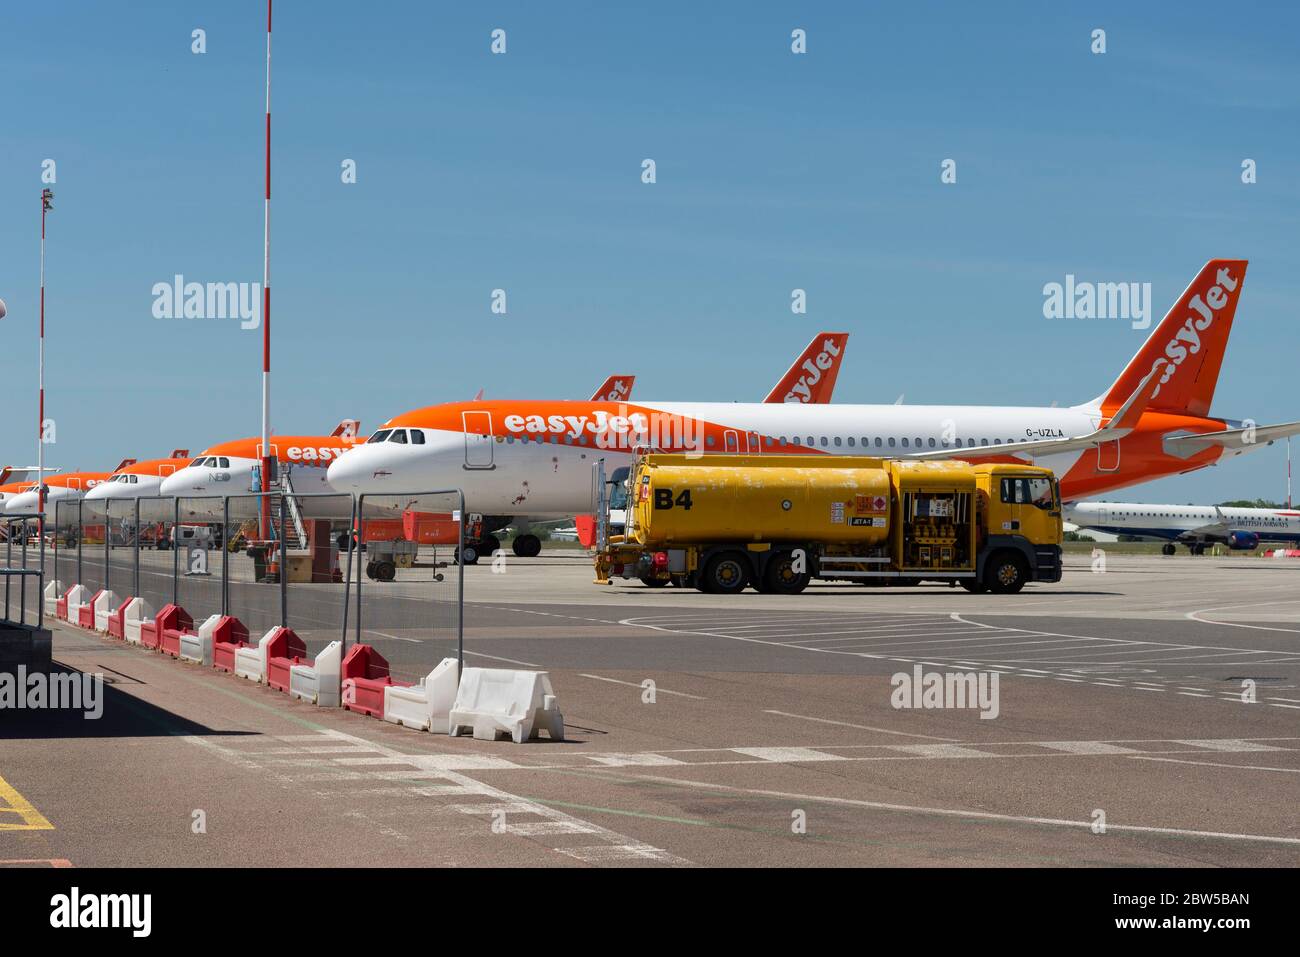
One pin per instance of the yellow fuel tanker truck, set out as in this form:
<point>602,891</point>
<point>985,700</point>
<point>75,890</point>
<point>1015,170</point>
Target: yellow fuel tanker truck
<point>720,523</point>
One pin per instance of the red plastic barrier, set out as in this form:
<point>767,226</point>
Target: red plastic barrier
<point>172,622</point>
<point>285,651</point>
<point>115,626</point>
<point>365,676</point>
<point>61,606</point>
<point>151,632</point>
<point>228,635</point>
<point>586,526</point>
<point>86,613</point>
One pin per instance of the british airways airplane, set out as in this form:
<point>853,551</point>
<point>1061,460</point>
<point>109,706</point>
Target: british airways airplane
<point>1192,525</point>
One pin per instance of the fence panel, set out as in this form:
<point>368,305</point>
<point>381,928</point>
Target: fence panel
<point>157,559</point>
<point>92,523</point>
<point>251,562</point>
<point>200,555</point>
<point>63,535</point>
<point>120,522</point>
<point>23,551</point>
<point>408,595</point>
<point>315,591</point>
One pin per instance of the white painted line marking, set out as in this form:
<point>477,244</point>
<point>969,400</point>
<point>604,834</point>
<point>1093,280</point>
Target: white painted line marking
<point>1212,764</point>
<point>860,727</point>
<point>981,815</point>
<point>637,684</point>
<point>792,754</point>
<point>1086,747</point>
<point>1227,744</point>
<point>479,654</point>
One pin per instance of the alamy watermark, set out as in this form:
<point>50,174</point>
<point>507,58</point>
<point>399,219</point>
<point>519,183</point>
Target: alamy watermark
<point>179,299</point>
<point>1098,300</point>
<point>945,690</point>
<point>66,690</point>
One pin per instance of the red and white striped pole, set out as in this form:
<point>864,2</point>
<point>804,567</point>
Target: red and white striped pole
<point>47,204</point>
<point>266,303</point>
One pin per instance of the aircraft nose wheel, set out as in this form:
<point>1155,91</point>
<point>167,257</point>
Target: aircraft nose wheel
<point>1167,550</point>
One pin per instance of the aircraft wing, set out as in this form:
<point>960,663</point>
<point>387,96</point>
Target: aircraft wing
<point>1120,425</point>
<point>1187,445</point>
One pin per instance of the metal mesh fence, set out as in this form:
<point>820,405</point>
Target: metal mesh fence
<point>157,558</point>
<point>92,522</point>
<point>63,540</point>
<point>407,581</point>
<point>119,561</point>
<point>315,589</point>
<point>252,563</point>
<point>200,555</point>
<point>23,552</point>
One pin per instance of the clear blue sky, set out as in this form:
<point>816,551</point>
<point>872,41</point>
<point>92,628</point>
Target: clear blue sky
<point>522,171</point>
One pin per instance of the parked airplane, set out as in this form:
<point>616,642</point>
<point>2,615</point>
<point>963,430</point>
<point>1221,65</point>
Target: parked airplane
<point>228,469</point>
<point>1195,526</point>
<point>139,479</point>
<point>17,479</point>
<point>536,457</point>
<point>58,488</point>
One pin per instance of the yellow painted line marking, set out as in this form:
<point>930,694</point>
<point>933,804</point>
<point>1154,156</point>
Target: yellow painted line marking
<point>15,803</point>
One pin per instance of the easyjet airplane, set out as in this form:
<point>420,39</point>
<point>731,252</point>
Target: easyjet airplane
<point>227,468</point>
<point>17,479</point>
<point>58,488</point>
<point>536,457</point>
<point>139,479</point>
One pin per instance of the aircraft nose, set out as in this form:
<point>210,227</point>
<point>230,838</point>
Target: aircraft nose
<point>181,482</point>
<point>25,502</point>
<point>346,472</point>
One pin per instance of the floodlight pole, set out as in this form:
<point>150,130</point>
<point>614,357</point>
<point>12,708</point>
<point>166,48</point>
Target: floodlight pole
<point>47,204</point>
<point>266,305</point>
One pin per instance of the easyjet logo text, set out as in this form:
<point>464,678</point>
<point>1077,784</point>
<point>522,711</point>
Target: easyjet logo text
<point>1187,340</point>
<point>815,366</point>
<point>625,431</point>
<point>310,454</point>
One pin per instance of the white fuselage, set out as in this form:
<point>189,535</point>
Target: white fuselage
<point>1174,522</point>
<point>542,466</point>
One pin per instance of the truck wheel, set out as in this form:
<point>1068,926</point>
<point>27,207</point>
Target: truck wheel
<point>726,574</point>
<point>1006,573</point>
<point>780,578</point>
<point>468,555</point>
<point>527,546</point>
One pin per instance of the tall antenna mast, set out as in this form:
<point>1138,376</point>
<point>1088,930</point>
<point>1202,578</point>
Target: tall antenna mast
<point>47,204</point>
<point>266,303</point>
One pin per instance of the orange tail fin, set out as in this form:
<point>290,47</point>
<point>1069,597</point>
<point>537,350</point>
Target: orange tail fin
<point>1187,347</point>
<point>348,429</point>
<point>617,388</point>
<point>812,377</point>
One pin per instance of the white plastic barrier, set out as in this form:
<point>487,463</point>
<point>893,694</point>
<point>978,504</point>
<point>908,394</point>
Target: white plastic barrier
<point>105,605</point>
<point>250,662</point>
<point>425,706</point>
<point>198,648</point>
<point>318,683</point>
<point>78,597</point>
<point>53,592</point>
<point>136,611</point>
<point>493,701</point>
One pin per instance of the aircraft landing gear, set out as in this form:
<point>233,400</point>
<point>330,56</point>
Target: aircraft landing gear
<point>1168,549</point>
<point>527,546</point>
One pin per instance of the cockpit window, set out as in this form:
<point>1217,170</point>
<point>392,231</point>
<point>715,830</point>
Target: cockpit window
<point>417,437</point>
<point>134,479</point>
<point>223,463</point>
<point>197,463</point>
<point>398,436</point>
<point>379,436</point>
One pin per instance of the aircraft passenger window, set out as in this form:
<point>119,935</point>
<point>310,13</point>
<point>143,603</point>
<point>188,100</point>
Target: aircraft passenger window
<point>709,441</point>
<point>877,441</point>
<point>892,442</point>
<point>837,441</point>
<point>769,441</point>
<point>810,440</point>
<point>850,441</point>
<point>510,440</point>
<point>417,436</point>
<point>823,441</point>
<point>997,441</point>
<point>945,443</point>
<point>795,441</point>
<point>984,441</point>
<point>918,441</point>
<point>905,445</point>
<point>379,436</point>
<point>398,436</point>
